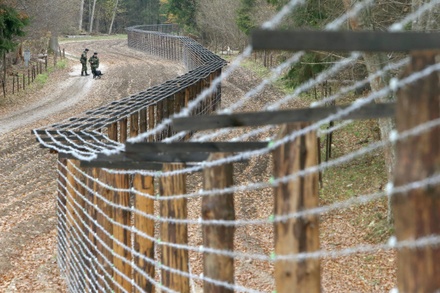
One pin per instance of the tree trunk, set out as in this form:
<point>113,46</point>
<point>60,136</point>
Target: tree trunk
<point>113,17</point>
<point>375,62</point>
<point>92,16</point>
<point>81,13</point>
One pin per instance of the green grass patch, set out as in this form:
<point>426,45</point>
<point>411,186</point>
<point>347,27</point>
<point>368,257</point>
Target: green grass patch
<point>92,38</point>
<point>41,79</point>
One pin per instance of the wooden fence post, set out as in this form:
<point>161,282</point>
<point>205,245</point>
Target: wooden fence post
<point>417,212</point>
<point>151,120</point>
<point>123,235</point>
<point>123,130</point>
<point>145,247</point>
<point>61,208</point>
<point>75,205</point>
<point>103,223</point>
<point>297,234</point>
<point>174,233</point>
<point>218,207</point>
<point>159,117</point>
<point>91,244</point>
<point>143,120</point>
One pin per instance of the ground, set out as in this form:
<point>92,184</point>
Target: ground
<point>28,177</point>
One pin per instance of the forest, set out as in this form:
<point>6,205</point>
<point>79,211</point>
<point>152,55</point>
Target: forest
<point>217,24</point>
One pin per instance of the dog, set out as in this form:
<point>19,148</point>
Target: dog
<point>97,74</point>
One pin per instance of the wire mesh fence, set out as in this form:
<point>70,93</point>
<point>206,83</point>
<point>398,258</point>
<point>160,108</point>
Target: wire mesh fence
<point>144,205</point>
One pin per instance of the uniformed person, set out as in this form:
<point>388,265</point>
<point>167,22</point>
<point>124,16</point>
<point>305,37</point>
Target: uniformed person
<point>94,63</point>
<point>83,61</point>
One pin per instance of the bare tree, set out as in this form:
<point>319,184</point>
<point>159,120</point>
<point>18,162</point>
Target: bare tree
<point>92,16</point>
<point>113,17</point>
<point>81,13</point>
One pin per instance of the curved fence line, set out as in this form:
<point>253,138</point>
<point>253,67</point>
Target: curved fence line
<point>154,104</point>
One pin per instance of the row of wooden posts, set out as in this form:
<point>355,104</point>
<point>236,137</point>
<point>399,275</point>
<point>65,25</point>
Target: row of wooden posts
<point>416,272</point>
<point>75,203</point>
<point>18,82</point>
<point>76,206</point>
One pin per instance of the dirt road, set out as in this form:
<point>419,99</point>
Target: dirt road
<point>27,172</point>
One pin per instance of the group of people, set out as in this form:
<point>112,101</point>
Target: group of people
<point>94,64</point>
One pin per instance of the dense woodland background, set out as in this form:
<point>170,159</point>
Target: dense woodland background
<point>217,24</point>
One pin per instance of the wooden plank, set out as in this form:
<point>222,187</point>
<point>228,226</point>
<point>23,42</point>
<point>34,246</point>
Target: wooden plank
<point>169,157</point>
<point>301,234</point>
<point>279,117</point>
<point>344,41</point>
<point>104,243</point>
<point>144,246</point>
<point>417,212</point>
<point>123,235</point>
<point>179,147</point>
<point>120,161</point>
<point>173,257</point>
<point>218,207</point>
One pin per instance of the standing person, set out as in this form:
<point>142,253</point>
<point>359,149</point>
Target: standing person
<point>94,64</point>
<point>83,61</point>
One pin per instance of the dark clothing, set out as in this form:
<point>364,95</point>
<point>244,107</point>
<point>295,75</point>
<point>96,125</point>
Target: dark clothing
<point>83,61</point>
<point>94,64</point>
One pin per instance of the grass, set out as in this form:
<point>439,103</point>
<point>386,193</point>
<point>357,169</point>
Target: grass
<point>93,38</point>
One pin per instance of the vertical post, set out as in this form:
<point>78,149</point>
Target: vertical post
<point>170,111</point>
<point>104,242</point>
<point>159,117</point>
<point>143,120</point>
<point>75,205</point>
<point>218,207</point>
<point>123,130</point>
<point>145,225</point>
<point>417,212</point>
<point>151,120</point>
<point>61,209</point>
<point>122,217</point>
<point>298,234</point>
<point>122,234</point>
<point>172,257</point>
<point>91,244</point>
<point>113,131</point>
<point>134,124</point>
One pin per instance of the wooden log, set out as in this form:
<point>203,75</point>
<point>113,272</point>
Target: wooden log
<point>113,131</point>
<point>122,234</point>
<point>91,211</point>
<point>61,208</point>
<point>105,257</point>
<point>142,245</point>
<point>123,130</point>
<point>174,233</point>
<point>218,207</point>
<point>75,208</point>
<point>151,120</point>
<point>159,117</point>
<point>417,212</point>
<point>296,235</point>
<point>134,124</point>
<point>143,120</point>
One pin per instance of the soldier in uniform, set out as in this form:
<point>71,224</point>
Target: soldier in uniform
<point>94,63</point>
<point>83,61</point>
